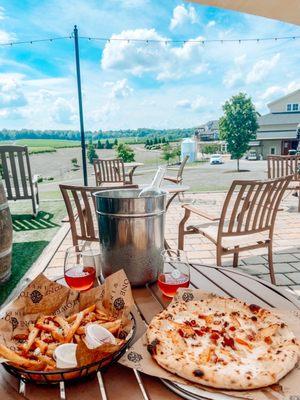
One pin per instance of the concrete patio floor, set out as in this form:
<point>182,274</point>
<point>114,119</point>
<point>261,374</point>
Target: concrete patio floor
<point>286,240</point>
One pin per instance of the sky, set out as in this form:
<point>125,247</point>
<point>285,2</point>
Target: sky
<point>135,84</point>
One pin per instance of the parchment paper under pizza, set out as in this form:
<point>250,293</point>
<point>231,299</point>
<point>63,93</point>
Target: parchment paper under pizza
<point>222,345</point>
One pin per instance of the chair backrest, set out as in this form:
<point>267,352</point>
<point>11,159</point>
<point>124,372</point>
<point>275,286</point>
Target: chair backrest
<point>109,170</point>
<point>279,166</point>
<point>81,209</point>
<point>16,172</point>
<point>181,168</point>
<point>251,206</point>
<point>80,206</point>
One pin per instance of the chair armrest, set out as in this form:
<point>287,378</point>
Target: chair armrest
<point>196,211</point>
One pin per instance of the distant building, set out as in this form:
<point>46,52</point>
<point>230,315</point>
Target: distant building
<point>208,132</point>
<point>277,133</point>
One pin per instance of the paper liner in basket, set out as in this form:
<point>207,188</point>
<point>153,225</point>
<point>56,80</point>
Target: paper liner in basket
<point>138,357</point>
<point>44,297</point>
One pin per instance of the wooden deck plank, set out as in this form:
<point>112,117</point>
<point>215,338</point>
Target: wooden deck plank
<point>272,297</point>
<point>232,288</point>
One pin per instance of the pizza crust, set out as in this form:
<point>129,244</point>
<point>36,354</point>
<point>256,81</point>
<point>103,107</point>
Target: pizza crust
<point>222,343</point>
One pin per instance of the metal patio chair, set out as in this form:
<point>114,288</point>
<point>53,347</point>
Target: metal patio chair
<point>16,170</point>
<point>280,166</point>
<point>178,178</point>
<point>246,222</point>
<point>110,172</point>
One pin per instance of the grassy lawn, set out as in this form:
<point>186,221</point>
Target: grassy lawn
<point>30,236</point>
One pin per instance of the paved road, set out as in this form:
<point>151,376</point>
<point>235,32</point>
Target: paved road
<point>202,177</point>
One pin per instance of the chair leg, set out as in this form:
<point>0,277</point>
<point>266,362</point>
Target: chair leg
<point>34,207</point>
<point>181,229</point>
<point>219,257</point>
<point>236,257</point>
<point>270,261</point>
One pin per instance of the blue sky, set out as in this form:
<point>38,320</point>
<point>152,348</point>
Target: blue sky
<point>132,85</point>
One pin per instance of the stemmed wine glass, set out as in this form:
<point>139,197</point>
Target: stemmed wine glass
<point>80,267</point>
<point>175,273</point>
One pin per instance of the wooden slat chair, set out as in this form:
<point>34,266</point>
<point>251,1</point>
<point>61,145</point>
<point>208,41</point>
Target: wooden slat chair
<point>110,172</point>
<point>280,166</point>
<point>19,182</point>
<point>178,178</point>
<point>81,208</point>
<point>246,222</point>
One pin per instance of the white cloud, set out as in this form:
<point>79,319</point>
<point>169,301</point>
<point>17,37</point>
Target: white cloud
<point>162,59</point>
<point>183,15</point>
<point>119,89</point>
<point>261,69</point>
<point>2,13</point>
<point>240,60</point>
<point>133,3</point>
<point>11,93</point>
<point>62,111</point>
<point>5,36</point>
<point>210,24</point>
<point>272,92</point>
<point>195,104</point>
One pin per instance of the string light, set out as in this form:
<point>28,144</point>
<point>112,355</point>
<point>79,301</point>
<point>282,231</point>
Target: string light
<point>187,41</point>
<point>148,41</point>
<point>35,41</point>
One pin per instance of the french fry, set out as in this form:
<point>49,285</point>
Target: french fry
<point>112,327</point>
<point>63,324</point>
<point>15,358</point>
<point>31,339</point>
<point>50,349</point>
<point>49,362</point>
<point>41,345</point>
<point>87,310</point>
<point>74,327</point>
<point>81,330</point>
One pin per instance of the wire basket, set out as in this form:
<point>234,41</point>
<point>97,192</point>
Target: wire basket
<point>70,374</point>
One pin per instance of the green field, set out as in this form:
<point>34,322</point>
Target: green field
<point>37,146</point>
<point>44,143</point>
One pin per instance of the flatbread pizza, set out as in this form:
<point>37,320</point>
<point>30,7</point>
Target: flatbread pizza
<point>223,343</point>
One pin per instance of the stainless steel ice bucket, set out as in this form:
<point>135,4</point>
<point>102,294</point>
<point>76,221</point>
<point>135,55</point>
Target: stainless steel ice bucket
<point>131,232</point>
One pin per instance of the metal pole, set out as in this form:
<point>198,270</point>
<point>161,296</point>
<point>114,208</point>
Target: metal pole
<point>85,179</point>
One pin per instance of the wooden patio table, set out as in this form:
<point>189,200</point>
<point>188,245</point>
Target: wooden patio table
<point>132,166</point>
<point>120,382</point>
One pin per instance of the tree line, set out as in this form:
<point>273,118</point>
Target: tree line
<point>141,133</point>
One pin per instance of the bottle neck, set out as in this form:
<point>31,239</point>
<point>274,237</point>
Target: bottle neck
<point>158,177</point>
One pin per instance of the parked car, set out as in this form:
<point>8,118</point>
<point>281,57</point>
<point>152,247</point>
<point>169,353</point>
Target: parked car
<point>216,159</point>
<point>252,156</point>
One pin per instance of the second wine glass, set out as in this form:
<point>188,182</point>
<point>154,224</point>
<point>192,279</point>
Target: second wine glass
<point>175,274</point>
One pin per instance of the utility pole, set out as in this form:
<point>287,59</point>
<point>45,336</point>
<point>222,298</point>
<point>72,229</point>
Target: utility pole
<point>82,135</point>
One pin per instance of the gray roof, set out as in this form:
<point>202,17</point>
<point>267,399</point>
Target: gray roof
<point>210,125</point>
<point>279,118</point>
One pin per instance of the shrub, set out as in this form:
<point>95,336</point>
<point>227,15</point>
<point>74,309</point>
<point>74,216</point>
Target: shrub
<point>211,148</point>
<point>125,152</point>
<point>91,153</point>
